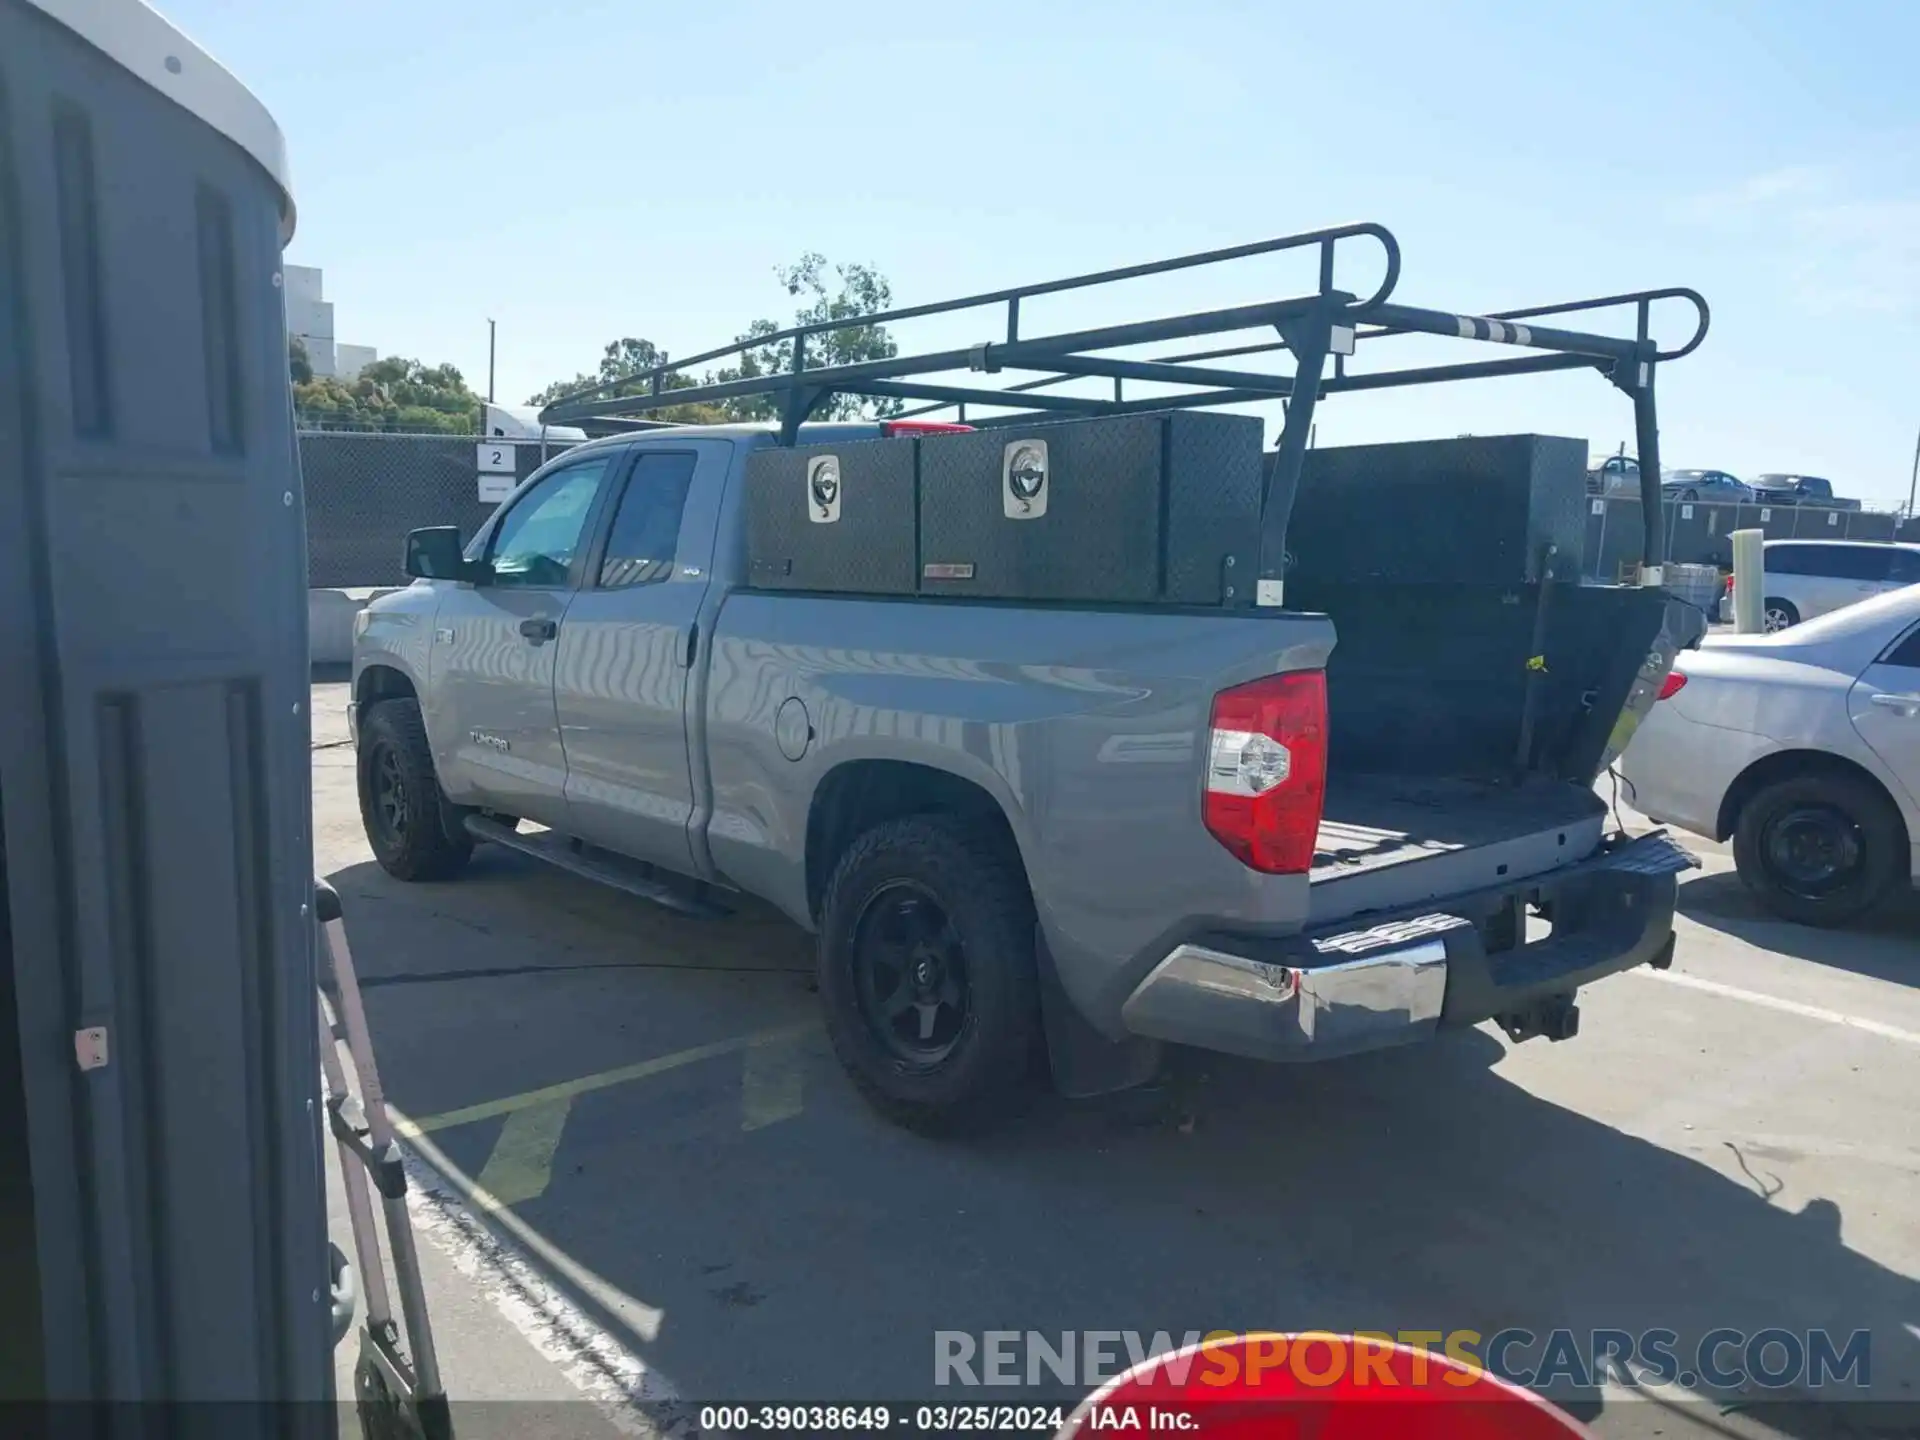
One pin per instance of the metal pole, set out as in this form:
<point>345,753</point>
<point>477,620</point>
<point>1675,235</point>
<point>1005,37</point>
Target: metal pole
<point>490,362</point>
<point>1915,481</point>
<point>1749,581</point>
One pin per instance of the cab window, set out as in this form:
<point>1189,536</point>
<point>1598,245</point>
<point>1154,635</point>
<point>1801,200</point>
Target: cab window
<point>536,541</point>
<point>646,527</point>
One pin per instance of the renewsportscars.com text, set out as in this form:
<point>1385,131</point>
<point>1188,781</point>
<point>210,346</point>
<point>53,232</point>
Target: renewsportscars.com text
<point>1723,1359</point>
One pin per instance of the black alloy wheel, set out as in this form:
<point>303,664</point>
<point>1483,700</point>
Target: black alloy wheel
<point>910,968</point>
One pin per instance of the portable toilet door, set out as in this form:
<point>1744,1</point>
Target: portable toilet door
<point>153,728</point>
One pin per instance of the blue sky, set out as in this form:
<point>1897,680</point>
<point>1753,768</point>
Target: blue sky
<point>589,170</point>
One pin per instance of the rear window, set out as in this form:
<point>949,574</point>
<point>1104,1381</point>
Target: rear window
<point>1834,562</point>
<point>1810,484</point>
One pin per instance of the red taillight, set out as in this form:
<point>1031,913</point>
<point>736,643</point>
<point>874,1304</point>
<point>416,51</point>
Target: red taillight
<point>1729,584</point>
<point>890,428</point>
<point>1267,770</point>
<point>1672,685</point>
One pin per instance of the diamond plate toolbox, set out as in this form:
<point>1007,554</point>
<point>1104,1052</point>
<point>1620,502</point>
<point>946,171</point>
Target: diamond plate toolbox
<point>1478,510</point>
<point>837,517</point>
<point>1135,508</point>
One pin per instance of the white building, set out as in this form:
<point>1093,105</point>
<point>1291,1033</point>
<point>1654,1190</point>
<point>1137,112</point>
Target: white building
<point>310,321</point>
<point>350,360</point>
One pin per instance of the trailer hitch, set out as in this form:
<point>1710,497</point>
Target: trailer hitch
<point>1557,1017</point>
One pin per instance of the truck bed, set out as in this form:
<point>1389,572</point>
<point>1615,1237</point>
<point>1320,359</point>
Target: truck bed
<point>1388,840</point>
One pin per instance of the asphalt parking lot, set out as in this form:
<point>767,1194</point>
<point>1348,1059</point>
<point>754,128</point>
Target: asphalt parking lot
<point>645,1108</point>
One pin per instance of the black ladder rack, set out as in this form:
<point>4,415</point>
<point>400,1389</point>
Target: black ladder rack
<point>1320,330</point>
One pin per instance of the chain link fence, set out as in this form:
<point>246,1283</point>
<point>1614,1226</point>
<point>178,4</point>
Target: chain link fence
<point>365,491</point>
<point>1699,532</point>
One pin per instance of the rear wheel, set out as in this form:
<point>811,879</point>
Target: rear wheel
<point>415,833</point>
<point>927,973</point>
<point>1778,614</point>
<point>1820,848</point>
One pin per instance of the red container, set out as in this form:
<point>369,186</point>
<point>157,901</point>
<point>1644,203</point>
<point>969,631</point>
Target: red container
<point>1316,1386</point>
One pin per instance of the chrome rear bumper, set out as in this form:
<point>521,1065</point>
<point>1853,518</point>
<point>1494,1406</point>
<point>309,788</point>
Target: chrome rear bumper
<point>1207,997</point>
<point>1317,995</point>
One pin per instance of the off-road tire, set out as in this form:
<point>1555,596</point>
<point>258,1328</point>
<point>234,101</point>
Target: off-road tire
<point>973,874</point>
<point>430,842</point>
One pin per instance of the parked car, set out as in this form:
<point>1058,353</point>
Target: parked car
<point>1804,747</point>
<point>1806,578</point>
<point>1780,489</point>
<point>1616,475</point>
<point>1715,485</point>
<point>923,783</point>
<point>1047,765</point>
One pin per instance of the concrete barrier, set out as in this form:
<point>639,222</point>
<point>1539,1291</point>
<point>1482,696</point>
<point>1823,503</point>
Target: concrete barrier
<point>330,616</point>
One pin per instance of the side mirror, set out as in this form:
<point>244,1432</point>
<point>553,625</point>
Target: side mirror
<point>434,553</point>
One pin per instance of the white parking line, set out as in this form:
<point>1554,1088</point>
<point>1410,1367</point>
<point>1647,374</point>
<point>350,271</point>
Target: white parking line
<point>442,1199</point>
<point>1788,1007</point>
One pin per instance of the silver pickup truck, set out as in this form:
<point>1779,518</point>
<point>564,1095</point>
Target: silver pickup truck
<point>1025,835</point>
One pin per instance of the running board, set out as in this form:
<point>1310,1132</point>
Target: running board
<point>600,866</point>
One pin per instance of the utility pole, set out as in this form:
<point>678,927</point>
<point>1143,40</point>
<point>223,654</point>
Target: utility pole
<point>1915,481</point>
<point>490,362</point>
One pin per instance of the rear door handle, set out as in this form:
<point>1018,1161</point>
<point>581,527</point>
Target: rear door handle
<point>539,629</point>
<point>1907,705</point>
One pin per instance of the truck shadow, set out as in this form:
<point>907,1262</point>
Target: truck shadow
<point>821,1258</point>
<point>1885,946</point>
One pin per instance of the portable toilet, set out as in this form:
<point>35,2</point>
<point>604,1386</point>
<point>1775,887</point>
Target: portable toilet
<point>161,1183</point>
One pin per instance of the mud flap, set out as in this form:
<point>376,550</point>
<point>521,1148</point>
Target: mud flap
<point>1084,1062</point>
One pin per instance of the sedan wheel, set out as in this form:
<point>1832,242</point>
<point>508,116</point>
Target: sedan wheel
<point>1810,850</point>
<point>1822,847</point>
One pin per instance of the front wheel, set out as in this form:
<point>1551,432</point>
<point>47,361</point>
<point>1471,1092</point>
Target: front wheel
<point>927,973</point>
<point>1820,849</point>
<point>414,832</point>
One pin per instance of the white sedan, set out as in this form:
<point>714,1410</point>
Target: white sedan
<point>1804,746</point>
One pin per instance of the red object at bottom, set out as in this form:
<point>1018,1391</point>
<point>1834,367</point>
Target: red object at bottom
<point>1315,1386</point>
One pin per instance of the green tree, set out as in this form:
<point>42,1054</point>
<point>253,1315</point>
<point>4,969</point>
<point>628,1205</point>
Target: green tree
<point>412,386</point>
<point>299,367</point>
<point>622,366</point>
<point>862,290</point>
<point>826,293</point>
<point>392,394</point>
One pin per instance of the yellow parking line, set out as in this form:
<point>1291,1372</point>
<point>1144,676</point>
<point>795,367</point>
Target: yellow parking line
<point>522,1160</point>
<point>770,1083</point>
<point>586,1084</point>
